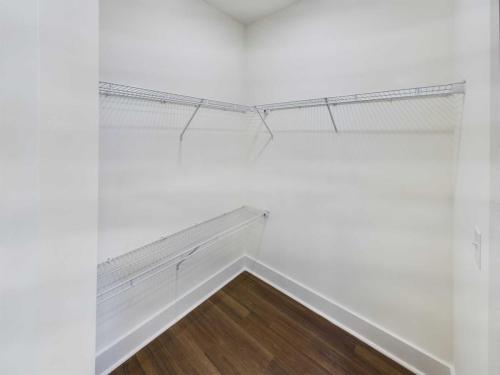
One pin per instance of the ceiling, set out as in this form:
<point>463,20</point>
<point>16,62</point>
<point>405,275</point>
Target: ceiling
<point>247,11</point>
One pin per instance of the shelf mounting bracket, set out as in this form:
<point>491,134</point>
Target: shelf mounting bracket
<point>331,115</point>
<point>264,122</point>
<point>191,119</point>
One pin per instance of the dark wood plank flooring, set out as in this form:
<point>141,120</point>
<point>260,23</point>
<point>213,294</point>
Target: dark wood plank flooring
<point>250,328</point>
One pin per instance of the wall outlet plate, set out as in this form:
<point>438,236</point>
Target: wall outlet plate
<point>477,247</point>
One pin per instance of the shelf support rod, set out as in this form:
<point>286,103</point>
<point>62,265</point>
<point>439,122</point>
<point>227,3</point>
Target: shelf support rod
<point>331,115</point>
<point>191,119</point>
<point>265,123</point>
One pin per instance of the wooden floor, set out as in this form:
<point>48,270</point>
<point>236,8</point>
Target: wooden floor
<point>251,328</point>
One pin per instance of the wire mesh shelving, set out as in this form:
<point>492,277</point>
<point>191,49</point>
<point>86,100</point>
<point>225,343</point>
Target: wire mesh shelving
<point>115,89</point>
<point>337,121</point>
<point>390,95</point>
<point>120,274</point>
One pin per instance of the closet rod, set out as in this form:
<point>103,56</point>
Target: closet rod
<point>115,89</point>
<point>381,96</point>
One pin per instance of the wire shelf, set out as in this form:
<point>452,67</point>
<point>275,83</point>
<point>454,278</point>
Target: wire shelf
<point>122,273</point>
<point>431,114</point>
<point>115,89</point>
<point>402,94</point>
<point>429,108</point>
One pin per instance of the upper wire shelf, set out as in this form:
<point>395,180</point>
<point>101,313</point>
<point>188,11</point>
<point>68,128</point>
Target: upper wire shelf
<point>115,89</point>
<point>411,93</point>
<point>119,274</point>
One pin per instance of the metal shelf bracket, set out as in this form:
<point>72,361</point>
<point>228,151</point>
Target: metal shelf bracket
<point>195,112</point>
<point>331,115</point>
<point>263,119</point>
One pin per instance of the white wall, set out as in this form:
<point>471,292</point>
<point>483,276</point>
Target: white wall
<point>18,186</point>
<point>150,184</point>
<point>180,46</point>
<point>363,219</point>
<point>320,48</point>
<point>186,47</point>
<point>494,287</point>
<point>48,153</point>
<point>473,31</point>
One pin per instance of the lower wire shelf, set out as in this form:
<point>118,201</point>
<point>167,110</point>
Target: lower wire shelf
<point>122,279</point>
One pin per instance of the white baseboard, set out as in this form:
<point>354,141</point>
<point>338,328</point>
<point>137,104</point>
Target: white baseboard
<point>401,351</point>
<point>407,354</point>
<point>113,356</point>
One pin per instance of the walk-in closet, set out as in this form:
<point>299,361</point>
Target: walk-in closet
<point>250,187</point>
